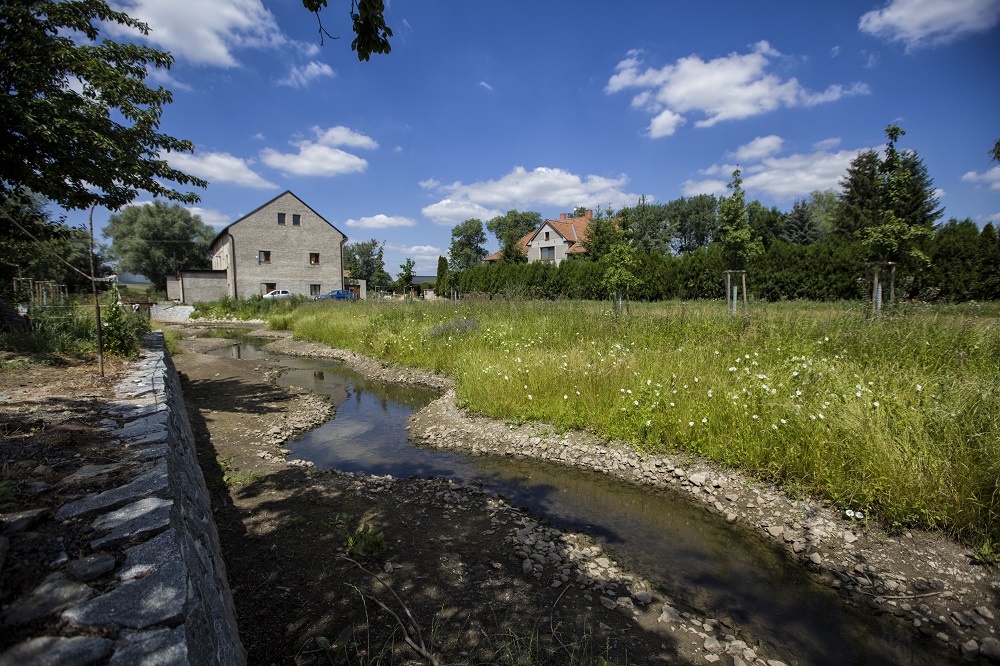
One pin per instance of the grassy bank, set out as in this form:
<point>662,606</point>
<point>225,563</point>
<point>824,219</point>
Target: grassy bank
<point>899,417</point>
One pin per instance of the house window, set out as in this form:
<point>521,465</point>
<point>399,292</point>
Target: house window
<point>314,258</point>
<point>281,218</point>
<point>296,220</point>
<point>548,253</point>
<point>546,235</point>
<point>268,287</point>
<point>315,289</point>
<point>264,257</point>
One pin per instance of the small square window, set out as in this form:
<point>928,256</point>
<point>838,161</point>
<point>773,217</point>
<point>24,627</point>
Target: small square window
<point>546,235</point>
<point>264,257</point>
<point>314,258</point>
<point>281,218</point>
<point>296,220</point>
<point>315,289</point>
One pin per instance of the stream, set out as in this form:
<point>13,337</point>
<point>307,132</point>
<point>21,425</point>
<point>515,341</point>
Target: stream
<point>689,553</point>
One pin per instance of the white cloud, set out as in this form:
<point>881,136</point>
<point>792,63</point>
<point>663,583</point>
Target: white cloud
<point>922,23</point>
<point>781,178</point>
<point>827,144</point>
<point>381,221</point>
<point>219,168</point>
<point>524,189</point>
<point>786,178</point>
<point>450,213</point>
<point>429,184</point>
<point>220,27</point>
<point>210,216</point>
<point>300,77</point>
<point>322,157</point>
<point>483,84</point>
<point>760,147</point>
<point>991,178</point>
<point>727,88</point>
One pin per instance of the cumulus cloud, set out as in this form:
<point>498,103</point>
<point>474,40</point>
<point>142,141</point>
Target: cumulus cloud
<point>219,168</point>
<point>525,189</point>
<point>210,216</point>
<point>731,87</point>
<point>300,77</point>
<point>781,178</point>
<point>450,213</point>
<point>222,26</point>
<point>991,178</point>
<point>925,23</point>
<point>381,221</point>
<point>321,156</point>
<point>760,147</point>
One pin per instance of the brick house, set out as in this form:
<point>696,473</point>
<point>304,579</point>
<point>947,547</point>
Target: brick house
<point>554,240</point>
<point>283,244</point>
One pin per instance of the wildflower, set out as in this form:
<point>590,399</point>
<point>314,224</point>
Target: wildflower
<point>648,422</point>
<point>774,426</point>
<point>919,387</point>
<point>705,420</point>
<point>732,369</point>
<point>875,404</point>
<point>783,421</point>
<point>754,416</point>
<point>690,424</point>
<point>565,397</point>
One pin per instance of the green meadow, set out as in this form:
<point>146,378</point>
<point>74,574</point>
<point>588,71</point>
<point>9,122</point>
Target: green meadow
<point>897,417</point>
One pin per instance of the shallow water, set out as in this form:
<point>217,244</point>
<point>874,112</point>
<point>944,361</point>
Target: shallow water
<point>693,555</point>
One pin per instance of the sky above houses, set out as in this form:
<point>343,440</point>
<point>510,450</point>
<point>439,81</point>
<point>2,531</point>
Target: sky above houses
<point>483,107</point>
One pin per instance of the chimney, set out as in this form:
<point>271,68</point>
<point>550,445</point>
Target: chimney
<point>562,217</point>
<point>589,214</point>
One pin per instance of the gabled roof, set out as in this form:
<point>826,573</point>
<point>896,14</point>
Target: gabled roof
<point>225,229</point>
<point>571,229</point>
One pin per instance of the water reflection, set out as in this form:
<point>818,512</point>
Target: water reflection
<point>695,556</point>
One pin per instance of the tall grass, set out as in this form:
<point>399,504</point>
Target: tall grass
<point>898,416</point>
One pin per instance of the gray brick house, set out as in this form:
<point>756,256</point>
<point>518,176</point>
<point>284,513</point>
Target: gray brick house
<point>283,244</point>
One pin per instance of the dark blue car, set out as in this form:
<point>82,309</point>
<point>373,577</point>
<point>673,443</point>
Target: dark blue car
<point>338,295</point>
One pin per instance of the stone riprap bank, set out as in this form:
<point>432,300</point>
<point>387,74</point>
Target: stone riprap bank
<point>170,601</point>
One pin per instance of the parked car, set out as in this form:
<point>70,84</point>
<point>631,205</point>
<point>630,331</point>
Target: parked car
<point>278,293</point>
<point>338,295</point>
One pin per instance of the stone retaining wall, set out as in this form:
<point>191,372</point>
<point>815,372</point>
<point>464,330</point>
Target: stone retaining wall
<point>170,602</point>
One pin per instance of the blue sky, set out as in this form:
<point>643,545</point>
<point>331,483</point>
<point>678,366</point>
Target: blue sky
<point>482,107</point>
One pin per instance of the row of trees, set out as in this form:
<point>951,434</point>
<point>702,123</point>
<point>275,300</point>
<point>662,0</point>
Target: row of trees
<point>963,261</point>
<point>885,212</point>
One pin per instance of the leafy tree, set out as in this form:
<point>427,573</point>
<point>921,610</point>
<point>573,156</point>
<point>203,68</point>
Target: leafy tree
<point>694,222</point>
<point>602,234</point>
<point>823,205</point>
<point>78,125</point>
<point>739,245</point>
<point>619,273</point>
<point>41,248</point>
<point>158,238</point>
<point>801,227</point>
<point>907,207</point>
<point>647,227</point>
<point>988,277</point>
<point>467,240</point>
<point>405,277</point>
<point>860,197</point>
<point>955,255</point>
<point>509,228</point>
<point>995,151</point>
<point>442,285</point>
<point>368,18</point>
<point>364,260</point>
<point>767,224</point>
